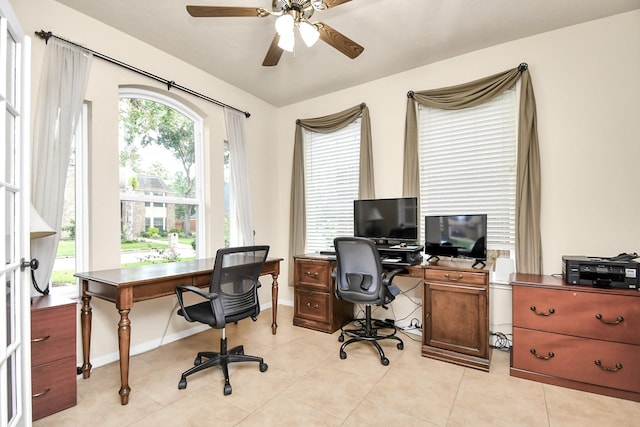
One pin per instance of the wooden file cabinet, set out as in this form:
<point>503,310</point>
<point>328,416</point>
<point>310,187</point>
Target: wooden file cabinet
<point>315,304</point>
<point>456,316</point>
<point>53,355</point>
<point>576,336</point>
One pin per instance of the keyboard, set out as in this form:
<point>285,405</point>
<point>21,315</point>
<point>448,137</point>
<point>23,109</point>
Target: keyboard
<point>327,252</point>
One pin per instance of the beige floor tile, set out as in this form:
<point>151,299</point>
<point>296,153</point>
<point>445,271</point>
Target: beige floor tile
<point>308,384</point>
<point>569,408</point>
<point>297,414</point>
<point>372,415</point>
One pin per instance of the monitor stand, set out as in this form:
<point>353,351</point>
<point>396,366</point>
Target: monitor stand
<point>480,263</point>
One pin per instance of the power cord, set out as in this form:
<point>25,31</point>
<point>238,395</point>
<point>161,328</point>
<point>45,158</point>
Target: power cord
<point>502,342</point>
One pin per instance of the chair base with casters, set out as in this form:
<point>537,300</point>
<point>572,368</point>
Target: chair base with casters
<point>222,358</point>
<point>371,330</point>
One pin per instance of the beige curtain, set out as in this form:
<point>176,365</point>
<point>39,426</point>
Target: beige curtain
<point>326,124</point>
<point>528,240</point>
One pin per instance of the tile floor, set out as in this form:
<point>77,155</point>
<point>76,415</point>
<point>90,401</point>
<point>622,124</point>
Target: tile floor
<point>307,384</point>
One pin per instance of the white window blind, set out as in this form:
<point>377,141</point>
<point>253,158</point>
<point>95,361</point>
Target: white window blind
<point>331,164</point>
<point>468,164</point>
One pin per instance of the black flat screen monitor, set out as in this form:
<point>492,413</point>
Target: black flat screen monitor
<point>387,220</point>
<point>462,236</point>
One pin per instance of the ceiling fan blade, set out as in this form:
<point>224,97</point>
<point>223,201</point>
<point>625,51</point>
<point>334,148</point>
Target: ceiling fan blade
<point>225,11</point>
<point>273,54</point>
<point>339,41</point>
<point>334,3</point>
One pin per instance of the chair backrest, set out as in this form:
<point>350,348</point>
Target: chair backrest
<point>358,271</point>
<point>235,280</point>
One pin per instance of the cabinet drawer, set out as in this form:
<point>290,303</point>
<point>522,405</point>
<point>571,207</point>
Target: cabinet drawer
<point>53,334</point>
<point>313,274</point>
<point>585,314</point>
<point>53,387</point>
<point>313,306</point>
<point>455,276</point>
<point>575,358</point>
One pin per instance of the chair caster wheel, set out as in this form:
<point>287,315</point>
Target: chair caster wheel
<point>400,346</point>
<point>263,367</point>
<point>197,361</point>
<point>343,355</point>
<point>227,389</point>
<point>341,338</point>
<point>384,361</point>
<point>182,384</point>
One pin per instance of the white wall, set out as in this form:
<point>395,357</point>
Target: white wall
<point>586,84</point>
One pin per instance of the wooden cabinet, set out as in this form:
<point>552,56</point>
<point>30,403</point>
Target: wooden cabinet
<point>53,355</point>
<point>315,304</point>
<point>456,316</point>
<point>576,336</point>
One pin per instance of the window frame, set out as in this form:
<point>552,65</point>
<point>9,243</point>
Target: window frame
<point>505,243</point>
<point>199,200</point>
<point>351,130</point>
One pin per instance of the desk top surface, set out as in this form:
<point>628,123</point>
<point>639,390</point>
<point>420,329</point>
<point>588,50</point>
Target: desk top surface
<point>144,273</point>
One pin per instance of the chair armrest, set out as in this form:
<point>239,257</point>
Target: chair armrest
<point>387,276</point>
<point>189,288</point>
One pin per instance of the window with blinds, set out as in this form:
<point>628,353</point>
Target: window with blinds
<point>332,165</point>
<point>468,164</point>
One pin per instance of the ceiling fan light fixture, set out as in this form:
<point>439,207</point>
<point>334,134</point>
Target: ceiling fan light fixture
<point>318,4</point>
<point>284,24</point>
<point>287,41</point>
<point>309,33</point>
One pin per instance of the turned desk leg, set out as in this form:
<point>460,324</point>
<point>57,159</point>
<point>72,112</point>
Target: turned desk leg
<point>274,303</point>
<point>85,325</point>
<point>124,341</point>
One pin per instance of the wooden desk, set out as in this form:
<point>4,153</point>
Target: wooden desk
<point>124,286</point>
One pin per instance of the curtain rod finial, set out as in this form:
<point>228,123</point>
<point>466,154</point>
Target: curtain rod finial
<point>297,121</point>
<point>523,67</point>
<point>46,35</point>
<point>410,94</point>
<point>247,114</point>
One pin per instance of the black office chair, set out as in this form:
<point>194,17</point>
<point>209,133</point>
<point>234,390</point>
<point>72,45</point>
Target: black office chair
<point>232,296</point>
<point>361,279</point>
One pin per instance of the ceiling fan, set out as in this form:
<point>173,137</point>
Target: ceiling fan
<point>290,14</point>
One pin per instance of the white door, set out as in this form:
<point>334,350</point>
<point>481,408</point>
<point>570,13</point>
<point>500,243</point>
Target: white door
<point>15,355</point>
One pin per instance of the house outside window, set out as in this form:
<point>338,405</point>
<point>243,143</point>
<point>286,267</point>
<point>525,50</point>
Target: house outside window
<point>160,175</point>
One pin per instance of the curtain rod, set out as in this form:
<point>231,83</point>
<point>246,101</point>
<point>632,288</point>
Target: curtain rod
<point>46,35</point>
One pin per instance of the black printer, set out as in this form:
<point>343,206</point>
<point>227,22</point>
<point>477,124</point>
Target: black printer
<point>601,272</point>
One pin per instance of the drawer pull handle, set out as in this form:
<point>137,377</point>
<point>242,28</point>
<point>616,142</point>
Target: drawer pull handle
<point>533,351</point>
<point>453,279</point>
<point>540,313</point>
<point>42,393</point>
<point>312,307</point>
<point>40,339</point>
<point>618,320</point>
<point>310,274</point>
<point>604,368</point>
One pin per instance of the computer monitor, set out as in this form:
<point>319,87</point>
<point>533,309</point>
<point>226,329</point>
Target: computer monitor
<point>386,220</point>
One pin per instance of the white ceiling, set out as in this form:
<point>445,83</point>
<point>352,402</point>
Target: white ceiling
<point>397,35</point>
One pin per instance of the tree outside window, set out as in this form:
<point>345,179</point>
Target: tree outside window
<point>158,182</point>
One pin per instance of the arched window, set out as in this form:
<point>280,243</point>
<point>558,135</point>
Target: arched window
<point>161,194</point>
